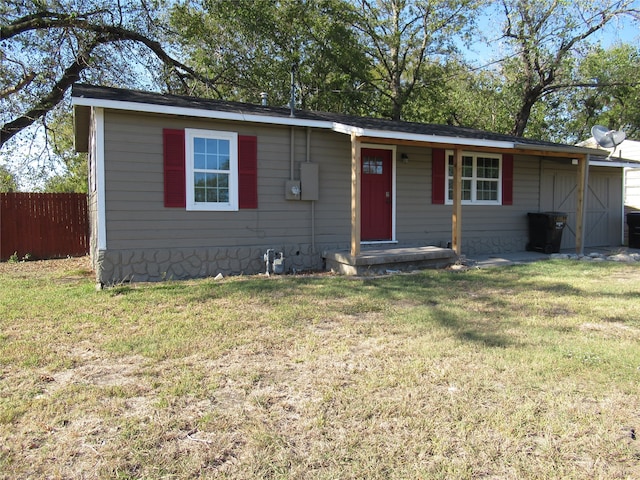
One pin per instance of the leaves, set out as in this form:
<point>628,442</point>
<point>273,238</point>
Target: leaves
<point>545,38</point>
<point>614,99</point>
<point>8,181</point>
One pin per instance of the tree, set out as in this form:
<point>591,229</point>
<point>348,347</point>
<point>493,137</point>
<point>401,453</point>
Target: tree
<point>359,56</point>
<point>8,181</point>
<point>49,46</point>
<point>253,45</point>
<point>454,93</point>
<point>74,175</point>
<point>403,37</point>
<point>545,36</point>
<point>614,100</point>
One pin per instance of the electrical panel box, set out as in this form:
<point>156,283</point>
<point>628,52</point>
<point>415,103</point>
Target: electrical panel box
<point>292,190</point>
<point>309,181</point>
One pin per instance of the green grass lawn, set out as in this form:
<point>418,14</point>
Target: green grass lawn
<point>515,372</point>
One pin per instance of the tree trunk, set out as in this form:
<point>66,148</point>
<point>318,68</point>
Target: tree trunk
<point>529,99</point>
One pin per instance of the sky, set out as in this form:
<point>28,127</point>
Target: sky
<point>481,54</point>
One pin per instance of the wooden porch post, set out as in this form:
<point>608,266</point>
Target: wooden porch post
<point>355,194</point>
<point>581,202</point>
<point>456,218</point>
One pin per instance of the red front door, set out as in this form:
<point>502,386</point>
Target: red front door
<point>377,195</point>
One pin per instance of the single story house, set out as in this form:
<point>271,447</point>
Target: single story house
<point>188,187</point>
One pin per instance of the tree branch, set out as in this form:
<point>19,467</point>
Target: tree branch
<point>50,20</point>
<point>562,86</point>
<point>104,34</point>
<point>44,19</point>
<point>53,98</point>
<point>23,83</point>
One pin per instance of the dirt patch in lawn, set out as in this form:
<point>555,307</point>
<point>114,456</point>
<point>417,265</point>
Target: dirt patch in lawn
<point>63,267</point>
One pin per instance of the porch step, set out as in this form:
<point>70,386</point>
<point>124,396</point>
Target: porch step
<point>383,260</point>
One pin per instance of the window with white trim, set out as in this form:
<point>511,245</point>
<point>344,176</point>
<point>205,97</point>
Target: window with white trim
<point>211,170</point>
<point>481,178</point>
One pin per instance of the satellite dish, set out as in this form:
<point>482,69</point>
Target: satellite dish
<point>607,138</point>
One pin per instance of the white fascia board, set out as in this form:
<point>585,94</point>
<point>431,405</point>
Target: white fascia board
<point>415,137</point>
<point>197,112</point>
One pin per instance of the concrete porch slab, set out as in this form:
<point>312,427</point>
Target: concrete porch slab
<point>376,261</point>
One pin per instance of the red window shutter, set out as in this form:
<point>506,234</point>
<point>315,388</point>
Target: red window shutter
<point>247,171</point>
<point>174,168</point>
<point>438,176</point>
<point>507,179</point>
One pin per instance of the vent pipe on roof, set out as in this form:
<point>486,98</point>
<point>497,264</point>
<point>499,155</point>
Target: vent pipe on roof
<point>264,96</point>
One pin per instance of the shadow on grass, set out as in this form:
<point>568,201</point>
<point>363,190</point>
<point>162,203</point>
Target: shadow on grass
<point>477,306</point>
<point>423,299</point>
<point>483,331</point>
<point>441,294</point>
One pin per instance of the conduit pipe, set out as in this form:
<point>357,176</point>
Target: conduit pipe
<point>292,152</point>
<point>313,202</point>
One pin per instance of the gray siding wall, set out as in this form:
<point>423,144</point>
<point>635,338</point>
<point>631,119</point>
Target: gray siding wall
<point>417,220</point>
<point>495,229</point>
<point>485,229</point>
<point>137,218</point>
<point>146,241</point>
<point>538,185</point>
<point>140,229</point>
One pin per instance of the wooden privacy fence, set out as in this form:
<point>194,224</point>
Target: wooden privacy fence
<point>43,225</point>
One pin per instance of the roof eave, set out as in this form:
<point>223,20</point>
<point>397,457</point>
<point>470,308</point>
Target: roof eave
<point>563,149</point>
<point>615,163</point>
<point>81,103</point>
<point>197,112</point>
<point>421,138</point>
<point>287,121</point>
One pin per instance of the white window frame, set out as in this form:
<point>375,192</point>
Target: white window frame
<point>474,178</point>
<point>190,135</point>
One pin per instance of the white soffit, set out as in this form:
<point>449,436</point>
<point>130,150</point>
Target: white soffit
<point>418,137</point>
<point>613,163</point>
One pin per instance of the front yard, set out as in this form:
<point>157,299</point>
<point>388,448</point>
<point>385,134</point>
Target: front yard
<point>517,372</point>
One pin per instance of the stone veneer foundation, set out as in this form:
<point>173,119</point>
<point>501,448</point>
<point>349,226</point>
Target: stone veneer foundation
<point>152,265</point>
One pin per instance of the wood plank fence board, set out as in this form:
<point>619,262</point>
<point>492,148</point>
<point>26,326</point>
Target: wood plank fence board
<point>43,225</point>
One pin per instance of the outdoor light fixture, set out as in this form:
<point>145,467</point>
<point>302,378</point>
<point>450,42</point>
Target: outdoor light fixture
<point>405,158</point>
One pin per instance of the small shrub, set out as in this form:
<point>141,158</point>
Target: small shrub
<point>15,258</point>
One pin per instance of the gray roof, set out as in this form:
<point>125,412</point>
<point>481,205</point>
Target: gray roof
<point>132,97</point>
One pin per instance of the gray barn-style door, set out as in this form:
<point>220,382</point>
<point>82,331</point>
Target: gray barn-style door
<point>604,204</point>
